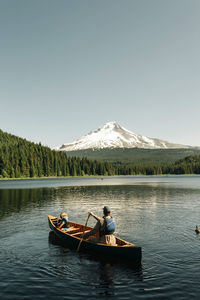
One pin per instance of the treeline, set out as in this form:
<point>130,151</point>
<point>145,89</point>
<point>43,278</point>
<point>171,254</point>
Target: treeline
<point>136,156</point>
<point>187,165</point>
<point>20,158</point>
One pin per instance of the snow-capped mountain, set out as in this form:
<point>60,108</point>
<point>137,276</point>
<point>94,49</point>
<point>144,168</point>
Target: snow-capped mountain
<point>112,135</point>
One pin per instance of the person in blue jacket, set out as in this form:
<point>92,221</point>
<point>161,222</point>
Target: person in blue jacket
<point>63,222</point>
<point>105,226</point>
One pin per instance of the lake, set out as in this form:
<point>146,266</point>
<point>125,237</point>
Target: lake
<point>158,213</point>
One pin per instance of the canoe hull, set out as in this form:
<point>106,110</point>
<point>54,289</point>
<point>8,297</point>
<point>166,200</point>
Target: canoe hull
<point>131,253</point>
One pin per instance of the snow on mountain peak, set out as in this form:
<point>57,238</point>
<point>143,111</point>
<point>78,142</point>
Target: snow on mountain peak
<point>112,135</point>
<point>110,125</point>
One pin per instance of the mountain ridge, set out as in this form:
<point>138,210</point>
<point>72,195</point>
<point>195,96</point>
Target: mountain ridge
<point>136,156</point>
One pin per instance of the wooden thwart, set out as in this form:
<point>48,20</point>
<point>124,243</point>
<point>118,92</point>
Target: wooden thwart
<point>80,232</point>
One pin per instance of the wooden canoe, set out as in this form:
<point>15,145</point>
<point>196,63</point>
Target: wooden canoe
<point>123,250</point>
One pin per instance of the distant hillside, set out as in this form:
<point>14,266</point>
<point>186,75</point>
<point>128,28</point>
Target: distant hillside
<point>186,165</point>
<point>136,156</point>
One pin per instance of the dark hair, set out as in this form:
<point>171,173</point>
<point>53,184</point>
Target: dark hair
<point>106,210</point>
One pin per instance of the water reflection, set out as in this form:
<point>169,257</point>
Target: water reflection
<point>17,200</point>
<point>106,279</point>
<point>123,197</point>
<point>104,274</point>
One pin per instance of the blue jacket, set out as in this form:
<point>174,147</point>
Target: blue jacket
<point>64,222</point>
<point>109,226</point>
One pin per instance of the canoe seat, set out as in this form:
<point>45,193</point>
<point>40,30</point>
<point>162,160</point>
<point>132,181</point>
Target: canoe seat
<point>80,232</point>
<point>72,230</point>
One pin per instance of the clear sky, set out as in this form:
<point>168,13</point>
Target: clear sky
<point>69,66</point>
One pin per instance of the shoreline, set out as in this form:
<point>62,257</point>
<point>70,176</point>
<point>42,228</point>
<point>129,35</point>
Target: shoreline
<point>94,176</point>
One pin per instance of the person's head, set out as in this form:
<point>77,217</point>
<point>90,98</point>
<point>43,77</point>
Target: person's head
<point>63,215</point>
<point>106,211</point>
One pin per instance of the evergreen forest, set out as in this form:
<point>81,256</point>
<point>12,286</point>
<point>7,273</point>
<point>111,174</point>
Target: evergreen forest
<point>20,158</point>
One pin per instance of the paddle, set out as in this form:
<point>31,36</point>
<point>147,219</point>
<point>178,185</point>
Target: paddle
<point>83,233</point>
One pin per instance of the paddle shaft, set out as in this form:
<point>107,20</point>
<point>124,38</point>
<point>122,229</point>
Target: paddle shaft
<point>83,233</point>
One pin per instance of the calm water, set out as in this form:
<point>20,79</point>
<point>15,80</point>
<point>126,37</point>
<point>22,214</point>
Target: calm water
<point>157,213</point>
